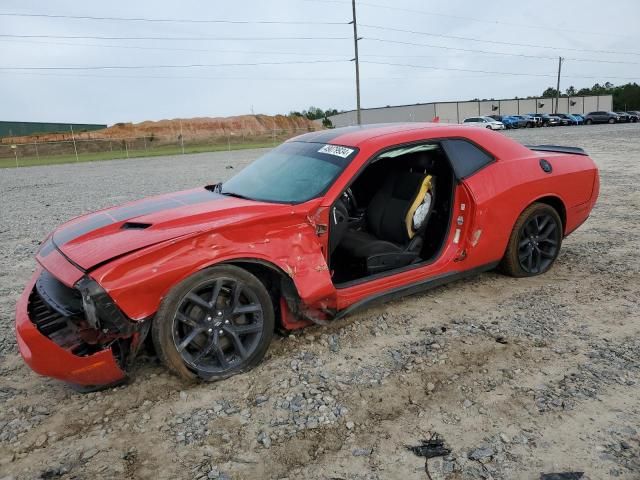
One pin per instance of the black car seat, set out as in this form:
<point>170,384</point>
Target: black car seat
<point>396,219</point>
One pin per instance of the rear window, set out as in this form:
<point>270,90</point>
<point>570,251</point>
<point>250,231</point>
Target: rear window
<point>465,157</point>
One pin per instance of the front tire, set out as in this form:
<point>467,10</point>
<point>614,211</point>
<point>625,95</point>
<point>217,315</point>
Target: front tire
<point>214,324</point>
<point>612,120</point>
<point>589,121</point>
<point>535,242</point>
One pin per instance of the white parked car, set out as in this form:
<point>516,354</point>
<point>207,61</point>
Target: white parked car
<point>486,122</point>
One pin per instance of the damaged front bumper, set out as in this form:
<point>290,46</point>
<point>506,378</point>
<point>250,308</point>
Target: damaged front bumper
<point>57,342</point>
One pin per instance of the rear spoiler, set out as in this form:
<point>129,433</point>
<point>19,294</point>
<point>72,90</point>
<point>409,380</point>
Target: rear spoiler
<point>557,149</point>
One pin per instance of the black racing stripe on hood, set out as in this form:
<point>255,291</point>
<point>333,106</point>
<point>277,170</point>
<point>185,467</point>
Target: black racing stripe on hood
<point>119,214</point>
<point>66,234</point>
<point>46,248</point>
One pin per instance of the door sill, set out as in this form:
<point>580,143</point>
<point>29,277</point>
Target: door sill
<point>415,287</point>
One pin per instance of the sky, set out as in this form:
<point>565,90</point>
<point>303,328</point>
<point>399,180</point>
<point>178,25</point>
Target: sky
<point>411,51</point>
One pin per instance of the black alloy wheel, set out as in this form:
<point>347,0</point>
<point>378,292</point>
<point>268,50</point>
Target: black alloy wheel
<point>538,243</point>
<point>214,324</point>
<point>534,243</point>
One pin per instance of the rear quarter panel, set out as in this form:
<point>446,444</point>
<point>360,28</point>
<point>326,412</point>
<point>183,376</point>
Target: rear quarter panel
<point>504,189</point>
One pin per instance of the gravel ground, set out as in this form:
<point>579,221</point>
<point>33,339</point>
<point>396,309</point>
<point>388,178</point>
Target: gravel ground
<point>518,377</point>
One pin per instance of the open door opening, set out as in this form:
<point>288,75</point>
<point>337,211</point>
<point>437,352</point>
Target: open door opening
<point>396,214</point>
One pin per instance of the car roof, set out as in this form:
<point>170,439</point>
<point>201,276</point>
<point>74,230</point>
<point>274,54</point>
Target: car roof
<point>381,135</point>
<point>351,136</point>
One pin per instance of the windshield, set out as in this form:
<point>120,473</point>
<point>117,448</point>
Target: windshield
<point>294,172</point>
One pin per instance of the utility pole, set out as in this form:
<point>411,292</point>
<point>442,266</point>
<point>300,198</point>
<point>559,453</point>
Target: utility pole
<point>356,60</point>
<point>560,60</point>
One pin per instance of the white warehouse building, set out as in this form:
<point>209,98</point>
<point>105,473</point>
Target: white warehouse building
<point>456,112</point>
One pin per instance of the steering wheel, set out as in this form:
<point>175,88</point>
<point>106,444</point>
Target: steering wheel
<point>350,202</point>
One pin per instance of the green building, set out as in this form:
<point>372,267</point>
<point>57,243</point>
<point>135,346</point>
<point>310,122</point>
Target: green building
<point>18,129</point>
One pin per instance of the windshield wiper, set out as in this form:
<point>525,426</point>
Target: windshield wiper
<point>233,194</point>
<point>217,188</point>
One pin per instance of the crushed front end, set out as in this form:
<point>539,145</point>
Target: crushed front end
<point>75,333</point>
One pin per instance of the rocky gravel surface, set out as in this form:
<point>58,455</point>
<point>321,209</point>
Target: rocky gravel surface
<point>518,377</point>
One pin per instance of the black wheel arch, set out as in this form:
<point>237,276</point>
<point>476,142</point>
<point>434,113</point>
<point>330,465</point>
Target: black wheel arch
<point>274,279</point>
<point>557,204</point>
<point>554,202</point>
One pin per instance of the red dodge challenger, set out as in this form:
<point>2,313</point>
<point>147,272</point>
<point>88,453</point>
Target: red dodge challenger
<point>321,226</point>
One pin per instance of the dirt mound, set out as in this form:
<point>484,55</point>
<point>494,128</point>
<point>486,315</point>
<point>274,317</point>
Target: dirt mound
<point>190,128</point>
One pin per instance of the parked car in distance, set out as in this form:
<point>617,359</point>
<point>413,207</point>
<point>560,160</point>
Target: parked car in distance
<point>550,120</point>
<point>570,120</point>
<point>541,118</point>
<point>563,121</point>
<point>507,120</point>
<point>624,117</point>
<point>601,117</point>
<point>547,120</point>
<point>635,115</point>
<point>527,120</point>
<point>511,121</point>
<point>536,117</point>
<point>579,118</point>
<point>486,122</point>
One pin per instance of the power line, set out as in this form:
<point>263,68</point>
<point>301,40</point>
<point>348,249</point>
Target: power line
<point>524,74</point>
<point>306,54</point>
<point>495,42</point>
<point>490,52</point>
<point>168,20</point>
<point>172,49</point>
<point>220,78</point>
<point>537,27</point>
<point>194,65</point>
<point>493,22</point>
<point>100,37</point>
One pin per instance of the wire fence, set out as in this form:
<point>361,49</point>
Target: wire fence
<point>86,150</point>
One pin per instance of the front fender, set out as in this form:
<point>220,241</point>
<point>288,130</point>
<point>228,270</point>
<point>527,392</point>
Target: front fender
<point>138,282</point>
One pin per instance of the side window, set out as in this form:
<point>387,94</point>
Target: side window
<point>465,157</point>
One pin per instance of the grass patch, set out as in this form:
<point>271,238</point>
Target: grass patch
<point>33,161</point>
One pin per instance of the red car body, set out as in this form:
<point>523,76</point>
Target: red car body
<point>137,252</point>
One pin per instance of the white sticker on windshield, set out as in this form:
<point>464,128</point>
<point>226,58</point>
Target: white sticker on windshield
<point>336,150</point>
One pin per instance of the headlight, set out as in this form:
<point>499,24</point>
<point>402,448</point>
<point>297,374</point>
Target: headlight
<point>100,310</point>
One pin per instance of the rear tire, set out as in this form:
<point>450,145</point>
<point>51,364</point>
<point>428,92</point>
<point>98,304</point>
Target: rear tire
<point>216,323</point>
<point>589,121</point>
<point>535,242</point>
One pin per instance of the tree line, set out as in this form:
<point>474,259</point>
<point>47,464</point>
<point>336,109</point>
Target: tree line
<point>315,113</point>
<point>625,97</point>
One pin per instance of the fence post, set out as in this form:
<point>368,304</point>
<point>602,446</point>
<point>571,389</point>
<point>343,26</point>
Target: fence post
<point>145,143</point>
<point>181,137</point>
<point>126,147</point>
<point>37,154</point>
<point>15,152</point>
<point>73,137</point>
<point>274,132</point>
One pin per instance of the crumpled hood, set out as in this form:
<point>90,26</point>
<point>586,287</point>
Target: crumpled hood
<point>95,238</point>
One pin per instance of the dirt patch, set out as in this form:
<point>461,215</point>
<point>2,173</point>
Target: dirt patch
<point>194,129</point>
